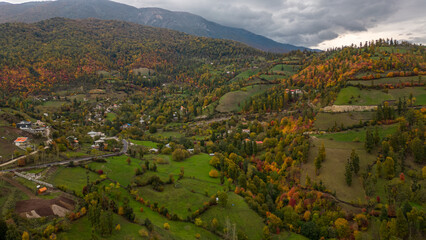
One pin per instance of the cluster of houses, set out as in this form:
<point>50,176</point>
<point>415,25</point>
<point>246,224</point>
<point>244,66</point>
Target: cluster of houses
<point>100,142</point>
<point>98,113</point>
<point>37,127</point>
<point>156,150</point>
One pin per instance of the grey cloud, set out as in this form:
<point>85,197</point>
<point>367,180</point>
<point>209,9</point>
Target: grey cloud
<point>308,22</point>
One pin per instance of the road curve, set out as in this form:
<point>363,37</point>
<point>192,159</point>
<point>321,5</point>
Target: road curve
<point>76,160</point>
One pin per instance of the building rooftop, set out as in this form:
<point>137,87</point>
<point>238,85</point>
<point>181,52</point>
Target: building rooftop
<point>21,139</point>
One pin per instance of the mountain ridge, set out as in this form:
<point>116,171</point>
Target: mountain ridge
<point>157,17</point>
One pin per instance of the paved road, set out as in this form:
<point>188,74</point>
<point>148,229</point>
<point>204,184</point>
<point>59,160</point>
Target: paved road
<point>123,151</point>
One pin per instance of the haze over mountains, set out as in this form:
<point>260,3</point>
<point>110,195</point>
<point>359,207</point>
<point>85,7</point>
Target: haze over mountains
<point>156,17</point>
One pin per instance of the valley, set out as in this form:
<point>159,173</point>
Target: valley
<point>155,134</point>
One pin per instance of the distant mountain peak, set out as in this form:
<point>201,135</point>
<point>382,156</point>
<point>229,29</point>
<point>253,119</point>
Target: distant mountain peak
<point>156,17</point>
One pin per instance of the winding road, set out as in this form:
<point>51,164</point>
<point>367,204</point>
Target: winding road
<point>76,160</point>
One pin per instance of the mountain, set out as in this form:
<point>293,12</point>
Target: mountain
<point>156,17</point>
<point>36,56</point>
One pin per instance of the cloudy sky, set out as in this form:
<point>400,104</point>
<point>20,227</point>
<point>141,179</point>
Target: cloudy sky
<point>311,23</point>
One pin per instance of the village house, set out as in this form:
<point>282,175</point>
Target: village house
<point>22,142</point>
<point>73,141</point>
<point>39,124</point>
<point>41,130</point>
<point>246,130</point>
<point>125,126</point>
<point>99,143</point>
<point>23,125</point>
<point>96,134</point>
<point>153,150</point>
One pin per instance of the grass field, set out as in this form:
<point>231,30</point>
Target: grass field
<point>178,230</point>
<point>234,101</point>
<point>393,81</point>
<point>289,236</point>
<point>197,166</point>
<point>118,169</point>
<point>9,195</point>
<point>178,200</point>
<point>244,75</point>
<point>238,212</point>
<point>32,186</point>
<point>329,120</point>
<point>355,96</point>
<point>272,77</point>
<point>286,69</point>
<point>163,134</point>
<point>357,134</point>
<point>111,116</point>
<point>73,178</point>
<point>144,143</point>
<point>81,229</point>
<point>333,168</point>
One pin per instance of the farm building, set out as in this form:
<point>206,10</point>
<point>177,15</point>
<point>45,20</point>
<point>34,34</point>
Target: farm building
<point>42,190</point>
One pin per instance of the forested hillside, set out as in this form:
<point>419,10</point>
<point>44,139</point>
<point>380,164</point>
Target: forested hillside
<point>30,12</point>
<point>33,57</point>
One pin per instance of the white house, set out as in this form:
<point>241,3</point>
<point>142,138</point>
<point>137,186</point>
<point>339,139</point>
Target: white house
<point>95,134</point>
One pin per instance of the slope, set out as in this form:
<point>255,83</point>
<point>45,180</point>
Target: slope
<point>108,10</point>
<point>36,56</point>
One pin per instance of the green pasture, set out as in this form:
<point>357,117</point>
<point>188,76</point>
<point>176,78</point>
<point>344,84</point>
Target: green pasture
<point>149,144</point>
<point>234,101</point>
<point>357,134</point>
<point>393,81</point>
<point>81,229</point>
<point>332,171</point>
<point>72,178</point>
<point>325,121</point>
<point>118,169</point>
<point>365,97</point>
<point>239,213</point>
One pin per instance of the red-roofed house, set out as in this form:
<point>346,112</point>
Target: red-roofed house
<point>21,142</point>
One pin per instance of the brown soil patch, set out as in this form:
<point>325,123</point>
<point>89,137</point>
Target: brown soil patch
<point>42,208</point>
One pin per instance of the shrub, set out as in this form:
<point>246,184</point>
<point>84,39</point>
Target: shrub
<point>160,160</point>
<point>198,222</point>
<point>166,151</point>
<point>179,155</point>
<point>214,173</point>
<point>166,226</point>
<point>143,233</point>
